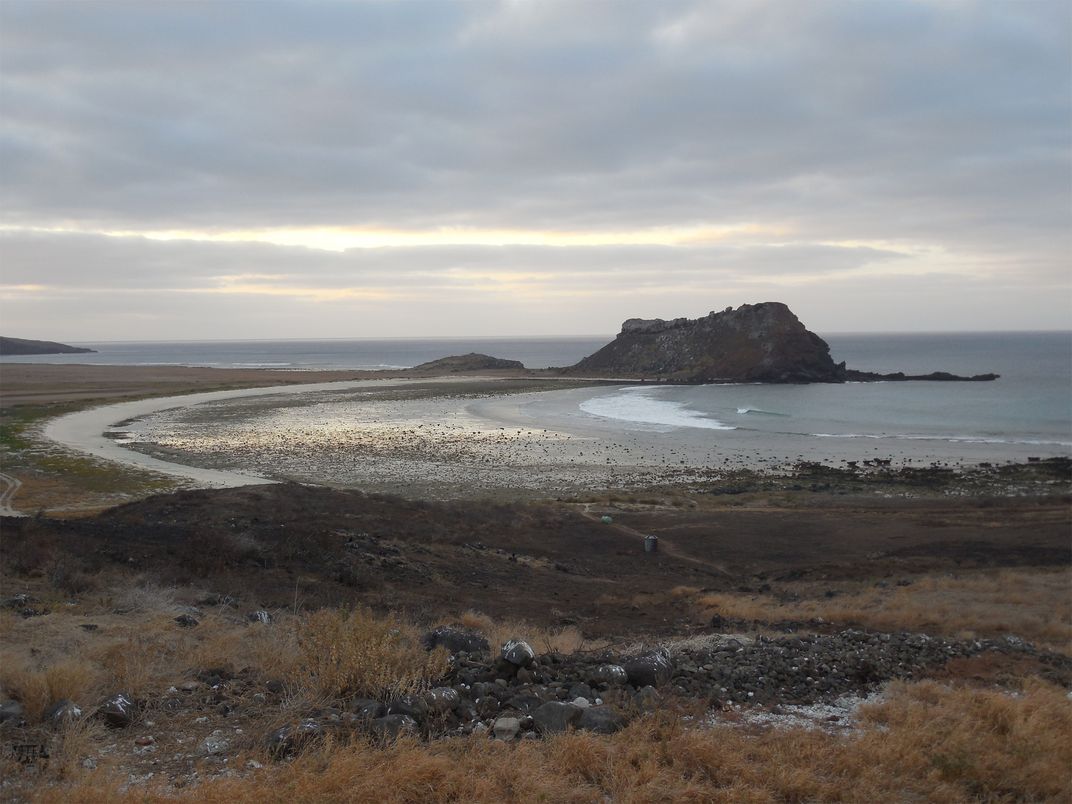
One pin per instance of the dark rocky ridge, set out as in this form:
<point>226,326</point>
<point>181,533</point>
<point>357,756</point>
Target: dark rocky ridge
<point>754,343</point>
<point>22,346</point>
<point>762,342</point>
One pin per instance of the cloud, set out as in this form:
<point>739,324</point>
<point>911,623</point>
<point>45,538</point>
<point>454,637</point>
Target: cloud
<point>933,136</point>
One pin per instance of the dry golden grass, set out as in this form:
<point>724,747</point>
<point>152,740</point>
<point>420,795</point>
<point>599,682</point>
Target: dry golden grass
<point>566,640</point>
<point>927,742</point>
<point>36,687</point>
<point>358,654</point>
<point>1033,604</point>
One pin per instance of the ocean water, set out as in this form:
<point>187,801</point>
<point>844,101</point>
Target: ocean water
<point>1031,403</point>
<point>307,355</point>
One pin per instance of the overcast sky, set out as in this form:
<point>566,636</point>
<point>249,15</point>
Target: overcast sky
<point>349,169</point>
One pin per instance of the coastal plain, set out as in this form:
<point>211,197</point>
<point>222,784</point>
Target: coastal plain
<point>487,504</point>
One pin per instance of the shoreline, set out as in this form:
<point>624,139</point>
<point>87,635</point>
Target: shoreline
<point>86,430</point>
<point>496,438</point>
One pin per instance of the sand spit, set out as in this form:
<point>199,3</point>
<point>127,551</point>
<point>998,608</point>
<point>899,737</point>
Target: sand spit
<point>86,430</point>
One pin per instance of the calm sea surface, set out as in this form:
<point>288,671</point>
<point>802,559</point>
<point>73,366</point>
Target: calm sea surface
<point>1030,403</point>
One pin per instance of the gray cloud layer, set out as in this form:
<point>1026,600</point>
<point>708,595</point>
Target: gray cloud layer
<point>938,124</point>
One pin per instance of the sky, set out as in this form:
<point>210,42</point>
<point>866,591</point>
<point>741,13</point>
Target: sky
<point>217,170</point>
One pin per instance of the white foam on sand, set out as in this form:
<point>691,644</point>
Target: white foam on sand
<point>85,430</point>
<point>640,405</point>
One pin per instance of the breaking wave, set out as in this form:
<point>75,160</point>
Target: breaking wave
<point>637,405</point>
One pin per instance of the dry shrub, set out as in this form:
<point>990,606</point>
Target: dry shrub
<point>144,661</point>
<point>145,598</point>
<point>565,640</point>
<point>1033,604</point>
<point>36,688</point>
<point>926,742</point>
<point>356,653</point>
<point>73,742</point>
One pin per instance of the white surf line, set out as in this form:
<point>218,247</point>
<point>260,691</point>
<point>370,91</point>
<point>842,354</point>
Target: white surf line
<point>84,430</point>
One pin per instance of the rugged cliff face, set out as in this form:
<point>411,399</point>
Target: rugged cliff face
<point>754,343</point>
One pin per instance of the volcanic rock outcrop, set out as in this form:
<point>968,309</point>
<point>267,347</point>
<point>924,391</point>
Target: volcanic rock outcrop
<point>754,343</point>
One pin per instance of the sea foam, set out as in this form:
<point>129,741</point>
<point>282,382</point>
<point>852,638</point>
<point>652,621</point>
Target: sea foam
<point>636,404</point>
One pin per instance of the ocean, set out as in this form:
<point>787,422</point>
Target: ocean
<point>1030,404</point>
<point>308,355</point>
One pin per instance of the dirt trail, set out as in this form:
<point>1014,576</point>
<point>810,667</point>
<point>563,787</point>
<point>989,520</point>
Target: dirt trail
<point>665,545</point>
<point>11,486</point>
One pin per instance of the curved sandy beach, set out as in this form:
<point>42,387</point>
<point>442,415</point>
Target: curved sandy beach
<point>457,437</point>
<point>85,430</point>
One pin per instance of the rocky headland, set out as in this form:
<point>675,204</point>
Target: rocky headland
<point>22,346</point>
<point>763,342</point>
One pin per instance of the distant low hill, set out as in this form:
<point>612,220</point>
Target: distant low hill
<point>22,346</point>
<point>470,362</point>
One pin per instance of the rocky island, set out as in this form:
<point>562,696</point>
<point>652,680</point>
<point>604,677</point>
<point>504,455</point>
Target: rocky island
<point>22,346</point>
<point>474,361</point>
<point>762,342</point>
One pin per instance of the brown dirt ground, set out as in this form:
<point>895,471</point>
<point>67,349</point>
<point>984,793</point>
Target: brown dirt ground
<point>548,563</point>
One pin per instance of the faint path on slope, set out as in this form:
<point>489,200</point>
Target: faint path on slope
<point>11,486</point>
<point>665,545</point>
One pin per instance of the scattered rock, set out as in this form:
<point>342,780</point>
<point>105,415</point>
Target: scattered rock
<point>413,706</point>
<point>62,712</point>
<point>650,670</point>
<point>215,743</point>
<point>186,621</point>
<point>11,711</point>
<point>555,717</point>
<point>117,711</point>
<point>506,728</point>
<point>455,640</point>
<point>442,699</point>
<point>609,674</point>
<point>293,737</point>
<point>260,616</point>
<point>367,709</point>
<point>647,699</point>
<point>601,720</point>
<point>391,727</point>
<point>518,653</point>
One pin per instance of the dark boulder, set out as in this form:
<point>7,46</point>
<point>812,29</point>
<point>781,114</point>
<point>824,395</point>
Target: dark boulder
<point>11,712</point>
<point>518,653</point>
<point>554,717</point>
<point>62,712</point>
<point>455,640</point>
<point>118,711</point>
<point>293,737</point>
<point>650,670</point>
<point>601,720</point>
<point>391,727</point>
<point>413,706</point>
